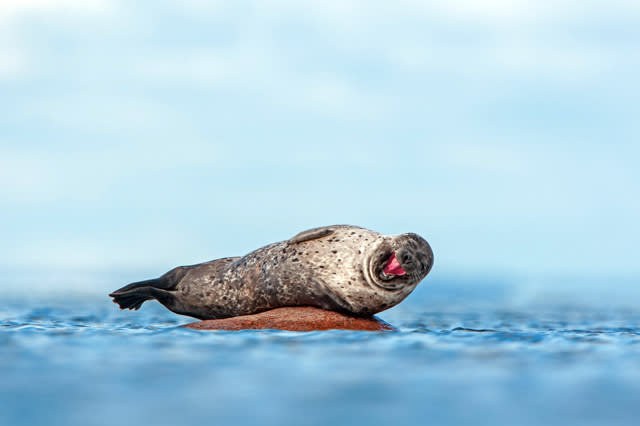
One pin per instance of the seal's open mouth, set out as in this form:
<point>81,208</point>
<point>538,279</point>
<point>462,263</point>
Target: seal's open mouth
<point>393,266</point>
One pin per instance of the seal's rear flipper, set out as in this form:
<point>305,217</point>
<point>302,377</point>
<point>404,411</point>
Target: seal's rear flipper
<point>132,296</point>
<point>132,299</point>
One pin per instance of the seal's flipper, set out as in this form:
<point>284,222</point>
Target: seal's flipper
<point>132,296</point>
<point>168,281</point>
<point>311,234</point>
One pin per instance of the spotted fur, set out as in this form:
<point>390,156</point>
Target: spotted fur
<point>337,267</point>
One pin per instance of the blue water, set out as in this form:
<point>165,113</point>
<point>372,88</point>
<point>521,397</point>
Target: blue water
<point>86,363</point>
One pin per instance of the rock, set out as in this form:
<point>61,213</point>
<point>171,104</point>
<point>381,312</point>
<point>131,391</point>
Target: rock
<point>294,319</point>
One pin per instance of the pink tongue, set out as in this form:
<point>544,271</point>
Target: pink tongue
<point>393,266</point>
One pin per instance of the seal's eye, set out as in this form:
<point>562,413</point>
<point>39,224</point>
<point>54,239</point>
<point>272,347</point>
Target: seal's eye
<point>393,266</point>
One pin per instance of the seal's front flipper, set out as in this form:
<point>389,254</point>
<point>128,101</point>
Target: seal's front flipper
<point>311,234</point>
<point>132,296</point>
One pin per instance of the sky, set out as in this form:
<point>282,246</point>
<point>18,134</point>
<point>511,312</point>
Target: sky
<point>137,136</point>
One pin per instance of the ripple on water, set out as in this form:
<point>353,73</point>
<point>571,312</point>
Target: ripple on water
<point>80,364</point>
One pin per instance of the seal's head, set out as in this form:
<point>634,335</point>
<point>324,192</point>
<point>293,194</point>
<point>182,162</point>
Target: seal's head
<point>399,262</point>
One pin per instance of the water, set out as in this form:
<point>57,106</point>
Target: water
<point>87,363</point>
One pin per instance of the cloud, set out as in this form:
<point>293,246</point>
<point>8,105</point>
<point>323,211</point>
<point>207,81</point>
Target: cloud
<point>508,160</point>
<point>94,252</point>
<point>474,43</point>
<point>10,9</point>
<point>17,56</point>
<point>13,63</point>
<point>104,112</point>
<point>480,41</point>
<point>494,113</point>
<point>24,177</point>
<point>257,68</point>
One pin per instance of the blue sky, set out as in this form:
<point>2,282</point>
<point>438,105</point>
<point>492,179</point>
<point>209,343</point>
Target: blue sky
<point>147,135</point>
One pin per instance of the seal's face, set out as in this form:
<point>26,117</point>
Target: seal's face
<point>399,262</point>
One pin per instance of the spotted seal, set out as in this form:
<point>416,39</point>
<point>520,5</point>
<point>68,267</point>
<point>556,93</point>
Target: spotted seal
<point>341,268</point>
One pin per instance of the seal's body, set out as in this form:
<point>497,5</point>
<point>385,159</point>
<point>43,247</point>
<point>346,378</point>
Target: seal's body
<point>341,268</point>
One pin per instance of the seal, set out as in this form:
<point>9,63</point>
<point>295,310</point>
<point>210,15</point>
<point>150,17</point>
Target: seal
<point>341,268</point>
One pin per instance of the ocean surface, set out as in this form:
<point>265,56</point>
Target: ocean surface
<point>84,362</point>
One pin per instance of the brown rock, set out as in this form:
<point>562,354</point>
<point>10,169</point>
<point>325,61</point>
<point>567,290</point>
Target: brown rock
<point>303,318</point>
